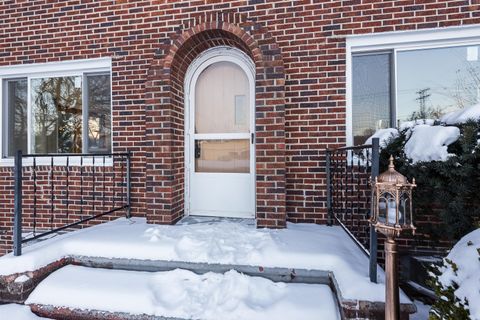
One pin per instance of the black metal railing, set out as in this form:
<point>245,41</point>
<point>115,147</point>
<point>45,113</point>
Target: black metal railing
<point>350,171</point>
<point>57,192</point>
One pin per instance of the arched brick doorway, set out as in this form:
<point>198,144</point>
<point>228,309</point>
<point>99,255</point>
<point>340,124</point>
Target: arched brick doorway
<point>165,119</point>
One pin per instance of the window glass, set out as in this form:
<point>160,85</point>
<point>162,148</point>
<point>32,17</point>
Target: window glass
<point>225,156</point>
<point>70,114</point>
<point>370,95</point>
<point>99,114</point>
<point>432,82</point>
<point>15,117</point>
<point>221,99</point>
<point>57,114</point>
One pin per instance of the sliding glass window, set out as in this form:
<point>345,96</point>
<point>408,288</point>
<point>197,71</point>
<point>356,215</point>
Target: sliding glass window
<point>390,88</point>
<point>57,114</point>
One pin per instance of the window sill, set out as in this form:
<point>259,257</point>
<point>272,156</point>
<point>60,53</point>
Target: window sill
<point>60,161</point>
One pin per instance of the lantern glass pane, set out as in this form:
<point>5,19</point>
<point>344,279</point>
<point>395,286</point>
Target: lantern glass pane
<point>382,209</point>
<point>387,209</point>
<point>405,209</point>
<point>392,211</point>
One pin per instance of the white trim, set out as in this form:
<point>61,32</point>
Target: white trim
<point>60,161</point>
<point>216,136</point>
<point>397,41</point>
<point>414,39</point>
<point>205,59</point>
<point>81,68</point>
<point>54,68</point>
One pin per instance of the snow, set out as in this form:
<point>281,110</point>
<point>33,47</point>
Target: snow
<point>184,294</point>
<point>410,124</point>
<point>22,278</point>
<point>300,246</point>
<point>462,115</point>
<point>17,312</point>
<point>430,143</point>
<point>384,135</point>
<point>466,255</point>
<point>422,311</point>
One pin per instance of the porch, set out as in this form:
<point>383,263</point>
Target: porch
<point>305,254</point>
<point>54,196</point>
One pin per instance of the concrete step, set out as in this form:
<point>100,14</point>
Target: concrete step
<point>77,292</point>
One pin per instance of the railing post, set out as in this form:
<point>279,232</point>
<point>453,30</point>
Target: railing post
<point>329,189</point>
<point>373,233</point>
<point>129,185</point>
<point>17,219</point>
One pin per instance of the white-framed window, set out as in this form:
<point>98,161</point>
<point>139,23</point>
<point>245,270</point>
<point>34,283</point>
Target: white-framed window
<point>401,76</point>
<point>56,108</point>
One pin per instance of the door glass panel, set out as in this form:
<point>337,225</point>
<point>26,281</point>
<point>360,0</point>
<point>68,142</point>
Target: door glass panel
<point>225,156</point>
<point>221,100</point>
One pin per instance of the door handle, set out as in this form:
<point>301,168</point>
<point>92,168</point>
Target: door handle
<point>253,137</point>
<point>197,149</point>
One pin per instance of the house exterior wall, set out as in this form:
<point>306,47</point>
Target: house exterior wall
<point>299,52</point>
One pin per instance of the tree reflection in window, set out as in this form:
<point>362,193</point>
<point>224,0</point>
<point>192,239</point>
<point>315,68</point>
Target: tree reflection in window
<point>99,114</point>
<point>57,112</point>
<point>16,117</point>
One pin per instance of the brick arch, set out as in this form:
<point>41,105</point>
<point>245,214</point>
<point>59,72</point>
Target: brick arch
<point>165,118</point>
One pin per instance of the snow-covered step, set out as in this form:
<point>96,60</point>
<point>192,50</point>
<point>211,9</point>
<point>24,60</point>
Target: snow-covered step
<point>183,294</point>
<point>17,312</point>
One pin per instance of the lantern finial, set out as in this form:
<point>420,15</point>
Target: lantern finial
<point>391,175</point>
<point>391,166</point>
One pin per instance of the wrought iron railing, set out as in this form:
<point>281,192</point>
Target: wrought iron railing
<point>350,171</point>
<point>57,192</point>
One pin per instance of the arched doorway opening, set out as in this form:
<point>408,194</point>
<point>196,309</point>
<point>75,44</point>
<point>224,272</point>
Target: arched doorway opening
<point>166,177</point>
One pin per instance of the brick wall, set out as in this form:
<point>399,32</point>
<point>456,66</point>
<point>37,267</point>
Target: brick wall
<point>299,51</point>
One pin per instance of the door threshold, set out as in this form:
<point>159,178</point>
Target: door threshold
<point>198,219</point>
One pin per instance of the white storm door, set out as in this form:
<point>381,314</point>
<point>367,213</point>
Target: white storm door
<point>221,143</point>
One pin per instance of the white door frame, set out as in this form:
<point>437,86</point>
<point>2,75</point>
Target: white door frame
<point>205,59</point>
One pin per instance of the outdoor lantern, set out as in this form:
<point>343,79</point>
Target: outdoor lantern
<point>392,203</point>
<point>392,214</point>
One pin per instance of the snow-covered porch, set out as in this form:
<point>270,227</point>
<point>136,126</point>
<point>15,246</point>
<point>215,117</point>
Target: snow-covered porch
<point>320,258</point>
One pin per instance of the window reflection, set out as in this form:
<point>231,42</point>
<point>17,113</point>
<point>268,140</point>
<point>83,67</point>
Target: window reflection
<point>57,112</point>
<point>16,117</point>
<point>370,95</point>
<point>433,82</point>
<point>99,115</point>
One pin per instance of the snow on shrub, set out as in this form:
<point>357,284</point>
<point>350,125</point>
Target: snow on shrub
<point>430,143</point>
<point>457,281</point>
<point>462,115</point>
<point>452,185</point>
<point>384,135</point>
<point>426,141</point>
<point>413,123</point>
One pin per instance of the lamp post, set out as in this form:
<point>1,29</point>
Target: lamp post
<point>392,215</point>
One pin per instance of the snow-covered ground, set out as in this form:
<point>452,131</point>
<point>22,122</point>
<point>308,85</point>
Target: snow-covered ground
<point>184,294</point>
<point>17,312</point>
<point>305,246</point>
